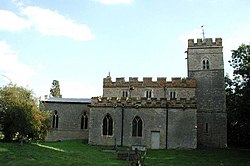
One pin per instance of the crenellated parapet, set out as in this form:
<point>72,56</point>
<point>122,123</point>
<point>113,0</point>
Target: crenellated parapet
<point>142,102</point>
<point>148,82</point>
<point>205,42</point>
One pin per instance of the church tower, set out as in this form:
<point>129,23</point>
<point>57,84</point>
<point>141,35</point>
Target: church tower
<point>205,64</point>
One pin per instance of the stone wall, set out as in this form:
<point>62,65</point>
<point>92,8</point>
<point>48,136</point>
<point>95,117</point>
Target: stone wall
<point>210,91</point>
<point>175,120</point>
<point>182,129</point>
<point>69,123</point>
<point>153,120</point>
<point>212,129</point>
<point>184,88</point>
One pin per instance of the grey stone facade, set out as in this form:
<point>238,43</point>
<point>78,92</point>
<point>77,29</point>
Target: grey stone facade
<point>181,113</point>
<point>69,112</point>
<point>210,91</point>
<point>174,120</point>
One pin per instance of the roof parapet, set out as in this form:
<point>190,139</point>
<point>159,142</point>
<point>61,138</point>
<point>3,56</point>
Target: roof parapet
<point>143,102</point>
<point>205,42</point>
<point>148,82</point>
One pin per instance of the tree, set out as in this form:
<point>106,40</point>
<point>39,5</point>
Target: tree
<point>21,118</point>
<point>238,97</point>
<point>55,89</point>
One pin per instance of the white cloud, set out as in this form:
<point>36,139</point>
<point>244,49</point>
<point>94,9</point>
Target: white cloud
<point>47,22</point>
<point>115,1</point>
<point>51,23</point>
<point>12,68</point>
<point>11,22</point>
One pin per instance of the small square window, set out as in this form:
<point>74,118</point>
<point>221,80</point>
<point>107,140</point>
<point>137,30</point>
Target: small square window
<point>124,93</point>
<point>172,95</point>
<point>149,94</point>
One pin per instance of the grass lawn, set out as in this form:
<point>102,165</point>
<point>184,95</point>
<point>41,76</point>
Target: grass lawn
<point>77,153</point>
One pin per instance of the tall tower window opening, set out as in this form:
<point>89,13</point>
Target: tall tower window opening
<point>207,64</point>
<point>206,129</point>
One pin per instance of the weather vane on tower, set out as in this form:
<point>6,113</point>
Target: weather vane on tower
<point>203,34</point>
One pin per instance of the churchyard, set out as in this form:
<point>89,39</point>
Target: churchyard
<point>78,153</point>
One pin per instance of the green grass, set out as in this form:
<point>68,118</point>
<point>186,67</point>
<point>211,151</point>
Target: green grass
<point>77,153</point>
<point>199,157</point>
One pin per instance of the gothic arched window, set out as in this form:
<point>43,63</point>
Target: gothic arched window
<point>107,126</point>
<point>84,121</point>
<point>205,64</point>
<point>55,120</point>
<point>137,127</point>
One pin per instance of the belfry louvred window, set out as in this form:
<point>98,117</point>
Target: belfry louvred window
<point>205,64</point>
<point>107,126</point>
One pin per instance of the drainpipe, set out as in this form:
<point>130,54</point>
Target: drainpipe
<point>122,125</point>
<point>187,63</point>
<point>165,95</point>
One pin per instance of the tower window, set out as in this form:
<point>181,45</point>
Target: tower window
<point>205,64</point>
<point>84,121</point>
<point>137,127</point>
<point>206,129</point>
<point>148,94</point>
<point>55,120</point>
<point>107,126</point>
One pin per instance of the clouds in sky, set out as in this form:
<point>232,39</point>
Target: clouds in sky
<point>45,21</point>
<point>49,22</point>
<point>11,22</point>
<point>115,1</point>
<point>11,66</point>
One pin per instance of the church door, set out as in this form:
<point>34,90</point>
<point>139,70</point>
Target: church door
<point>155,140</point>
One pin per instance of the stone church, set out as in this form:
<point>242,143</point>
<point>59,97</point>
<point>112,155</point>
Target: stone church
<point>181,113</point>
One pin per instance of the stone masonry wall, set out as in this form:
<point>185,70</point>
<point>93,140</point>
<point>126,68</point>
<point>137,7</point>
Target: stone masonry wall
<point>210,91</point>
<point>69,124</point>
<point>182,129</point>
<point>181,122</point>
<point>184,88</point>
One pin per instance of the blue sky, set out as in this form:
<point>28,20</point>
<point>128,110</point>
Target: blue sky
<point>79,42</point>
